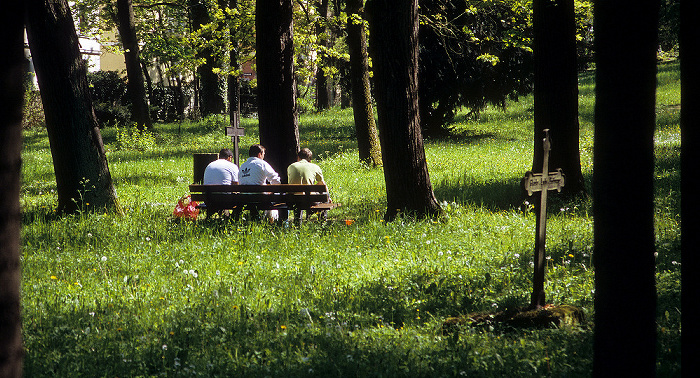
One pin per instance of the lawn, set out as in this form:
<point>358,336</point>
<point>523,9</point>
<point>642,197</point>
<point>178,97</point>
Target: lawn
<point>147,295</point>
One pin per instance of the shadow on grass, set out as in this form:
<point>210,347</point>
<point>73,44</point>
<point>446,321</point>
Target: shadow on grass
<point>218,335</point>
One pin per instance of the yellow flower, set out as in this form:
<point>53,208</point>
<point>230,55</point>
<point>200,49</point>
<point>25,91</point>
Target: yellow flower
<point>283,327</point>
<point>570,255</point>
<point>54,277</point>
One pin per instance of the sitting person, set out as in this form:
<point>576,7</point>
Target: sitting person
<point>221,171</point>
<point>305,172</point>
<point>256,171</point>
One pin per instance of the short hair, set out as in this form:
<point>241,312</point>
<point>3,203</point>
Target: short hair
<point>305,153</point>
<point>225,153</point>
<point>255,150</point>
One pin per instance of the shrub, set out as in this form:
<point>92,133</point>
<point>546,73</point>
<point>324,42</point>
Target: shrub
<point>108,91</point>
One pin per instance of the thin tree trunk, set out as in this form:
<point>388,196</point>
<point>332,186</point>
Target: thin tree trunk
<point>324,89</point>
<point>368,143</point>
<point>690,183</point>
<point>234,83</point>
<point>556,90</point>
<point>83,180</point>
<point>623,188</point>
<point>277,112</point>
<point>12,73</point>
<point>211,92</point>
<point>394,49</point>
<point>137,92</point>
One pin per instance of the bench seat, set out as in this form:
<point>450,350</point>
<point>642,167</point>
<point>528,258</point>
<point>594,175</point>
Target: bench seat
<point>262,197</point>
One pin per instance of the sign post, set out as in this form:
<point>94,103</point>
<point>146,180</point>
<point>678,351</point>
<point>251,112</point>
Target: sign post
<point>235,133</point>
<point>541,182</point>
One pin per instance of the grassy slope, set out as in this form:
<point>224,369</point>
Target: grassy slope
<point>143,295</point>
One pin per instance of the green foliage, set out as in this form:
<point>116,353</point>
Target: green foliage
<point>472,54</point>
<point>146,295</point>
<point>33,111</point>
<point>108,91</point>
<point>135,139</point>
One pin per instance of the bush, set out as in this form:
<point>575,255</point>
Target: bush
<point>33,112</point>
<point>108,91</point>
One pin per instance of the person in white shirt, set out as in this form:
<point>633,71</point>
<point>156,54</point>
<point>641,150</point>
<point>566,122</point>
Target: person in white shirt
<point>256,171</point>
<point>221,171</point>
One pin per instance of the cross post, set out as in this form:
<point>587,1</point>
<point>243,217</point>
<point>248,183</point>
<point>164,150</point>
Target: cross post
<point>235,132</point>
<point>541,182</point>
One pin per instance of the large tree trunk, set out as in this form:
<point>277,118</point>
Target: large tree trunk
<point>324,87</point>
<point>365,127</point>
<point>690,183</point>
<point>277,110</point>
<point>83,180</point>
<point>137,92</point>
<point>394,49</point>
<point>556,90</point>
<point>211,89</point>
<point>12,71</point>
<point>623,188</point>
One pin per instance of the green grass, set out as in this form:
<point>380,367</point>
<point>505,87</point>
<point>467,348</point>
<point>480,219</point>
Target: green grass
<point>146,295</point>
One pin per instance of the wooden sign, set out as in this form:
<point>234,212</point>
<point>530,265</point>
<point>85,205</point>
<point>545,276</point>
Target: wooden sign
<point>235,133</point>
<point>536,182</point>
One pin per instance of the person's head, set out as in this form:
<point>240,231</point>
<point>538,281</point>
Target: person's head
<point>225,153</point>
<point>305,154</point>
<point>257,150</point>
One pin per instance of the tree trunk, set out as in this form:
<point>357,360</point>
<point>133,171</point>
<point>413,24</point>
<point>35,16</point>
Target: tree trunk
<point>137,92</point>
<point>365,127</point>
<point>277,111</point>
<point>83,180</point>
<point>211,90</point>
<point>394,50</point>
<point>690,183</point>
<point>234,84</point>
<point>556,90</point>
<point>623,188</point>
<point>12,73</point>
<point>324,87</point>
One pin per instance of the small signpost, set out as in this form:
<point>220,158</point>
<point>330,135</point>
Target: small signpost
<point>235,133</point>
<point>541,182</point>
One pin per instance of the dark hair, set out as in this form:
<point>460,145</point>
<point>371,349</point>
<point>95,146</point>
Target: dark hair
<point>305,153</point>
<point>255,150</point>
<point>225,153</point>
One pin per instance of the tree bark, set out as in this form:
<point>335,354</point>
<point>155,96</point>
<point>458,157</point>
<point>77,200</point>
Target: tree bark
<point>234,83</point>
<point>324,89</point>
<point>137,91</point>
<point>211,89</point>
<point>623,188</point>
<point>277,110</point>
<point>556,90</point>
<point>83,180</point>
<point>368,143</point>
<point>690,183</point>
<point>12,73</point>
<point>394,50</point>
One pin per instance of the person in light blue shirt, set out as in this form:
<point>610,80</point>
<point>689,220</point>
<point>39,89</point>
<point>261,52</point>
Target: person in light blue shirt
<point>221,171</point>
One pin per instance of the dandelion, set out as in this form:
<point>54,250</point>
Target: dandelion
<point>571,255</point>
<point>54,277</point>
<point>283,327</point>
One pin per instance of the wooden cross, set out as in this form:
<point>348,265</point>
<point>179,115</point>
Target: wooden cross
<point>235,133</point>
<point>540,182</point>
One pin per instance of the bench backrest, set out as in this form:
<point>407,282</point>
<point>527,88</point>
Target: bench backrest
<point>260,193</point>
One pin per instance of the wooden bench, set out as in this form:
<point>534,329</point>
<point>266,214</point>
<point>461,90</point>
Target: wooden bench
<point>216,198</point>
